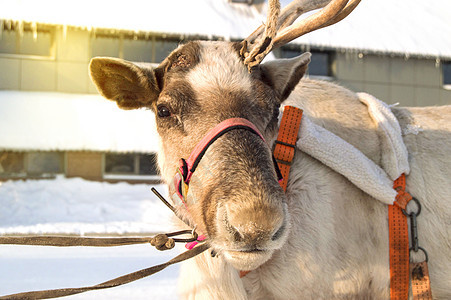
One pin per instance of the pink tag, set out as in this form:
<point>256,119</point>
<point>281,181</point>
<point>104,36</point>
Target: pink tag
<point>191,245</point>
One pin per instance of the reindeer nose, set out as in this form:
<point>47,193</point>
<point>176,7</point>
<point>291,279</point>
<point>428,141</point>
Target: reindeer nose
<point>254,227</point>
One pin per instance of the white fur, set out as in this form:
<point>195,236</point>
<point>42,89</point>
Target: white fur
<point>394,154</point>
<point>338,243</point>
<point>218,68</point>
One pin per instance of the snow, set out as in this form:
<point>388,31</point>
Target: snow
<point>32,268</point>
<point>79,207</point>
<point>59,121</point>
<point>204,17</point>
<point>406,27</point>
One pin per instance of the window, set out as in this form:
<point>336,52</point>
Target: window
<point>130,166</point>
<point>45,163</point>
<point>133,48</point>
<point>25,41</point>
<point>446,70</point>
<point>320,64</point>
<point>106,46</point>
<point>12,164</point>
<point>33,164</point>
<point>242,1</point>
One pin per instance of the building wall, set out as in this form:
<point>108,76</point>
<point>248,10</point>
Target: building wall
<point>65,69</point>
<point>86,165</point>
<point>411,82</point>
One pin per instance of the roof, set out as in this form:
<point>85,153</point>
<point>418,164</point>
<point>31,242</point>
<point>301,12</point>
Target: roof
<point>201,17</point>
<point>72,122</point>
<point>406,27</point>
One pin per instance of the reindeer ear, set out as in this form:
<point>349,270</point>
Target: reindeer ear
<point>284,74</point>
<point>130,85</point>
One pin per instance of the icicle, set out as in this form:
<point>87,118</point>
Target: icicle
<point>64,32</point>
<point>21,28</point>
<point>437,62</point>
<point>1,29</point>
<point>8,25</point>
<point>34,29</point>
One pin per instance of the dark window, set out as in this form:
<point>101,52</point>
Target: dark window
<point>446,73</point>
<point>147,164</point>
<point>36,164</point>
<point>163,48</point>
<point>130,164</point>
<point>106,46</point>
<point>320,64</point>
<point>120,163</point>
<point>12,163</point>
<point>138,50</point>
<point>40,163</point>
<point>289,53</point>
<point>242,1</point>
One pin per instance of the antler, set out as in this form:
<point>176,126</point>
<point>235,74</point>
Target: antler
<point>260,42</point>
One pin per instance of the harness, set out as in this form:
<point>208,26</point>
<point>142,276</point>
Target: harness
<point>400,268</point>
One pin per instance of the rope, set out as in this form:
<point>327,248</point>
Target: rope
<point>160,242</point>
<point>258,51</point>
<point>48,294</point>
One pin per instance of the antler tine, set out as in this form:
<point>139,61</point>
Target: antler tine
<point>261,43</point>
<point>289,14</point>
<point>343,13</point>
<point>330,14</point>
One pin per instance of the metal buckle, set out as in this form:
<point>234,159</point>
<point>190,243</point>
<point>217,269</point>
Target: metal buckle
<point>288,163</point>
<point>285,144</point>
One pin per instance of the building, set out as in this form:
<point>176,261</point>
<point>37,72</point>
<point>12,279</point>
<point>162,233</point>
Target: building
<point>54,122</point>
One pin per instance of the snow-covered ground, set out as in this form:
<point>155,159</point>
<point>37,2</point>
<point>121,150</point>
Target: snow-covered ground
<point>76,206</point>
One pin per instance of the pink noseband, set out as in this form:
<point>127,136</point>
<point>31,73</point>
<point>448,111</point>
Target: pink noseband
<point>187,167</point>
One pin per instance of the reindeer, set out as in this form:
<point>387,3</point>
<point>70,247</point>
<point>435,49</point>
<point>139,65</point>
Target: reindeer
<point>324,238</point>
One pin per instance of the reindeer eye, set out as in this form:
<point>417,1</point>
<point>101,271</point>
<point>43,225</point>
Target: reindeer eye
<point>163,111</point>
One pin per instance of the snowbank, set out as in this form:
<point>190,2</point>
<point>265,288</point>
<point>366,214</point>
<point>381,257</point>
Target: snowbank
<point>77,206</point>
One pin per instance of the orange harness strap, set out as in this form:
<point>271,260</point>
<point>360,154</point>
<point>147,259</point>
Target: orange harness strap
<point>400,269</point>
<point>286,141</point>
<point>285,146</point>
<point>399,242</point>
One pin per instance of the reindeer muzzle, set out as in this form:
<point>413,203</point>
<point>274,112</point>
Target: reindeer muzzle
<point>179,187</point>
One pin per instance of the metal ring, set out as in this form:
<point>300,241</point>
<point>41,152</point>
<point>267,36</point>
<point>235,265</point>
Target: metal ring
<point>424,251</point>
<point>418,205</point>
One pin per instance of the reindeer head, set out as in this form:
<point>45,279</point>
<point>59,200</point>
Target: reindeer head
<point>234,197</point>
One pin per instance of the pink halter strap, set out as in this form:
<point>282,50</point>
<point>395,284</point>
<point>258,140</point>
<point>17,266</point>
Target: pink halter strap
<point>187,167</point>
<point>219,130</point>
